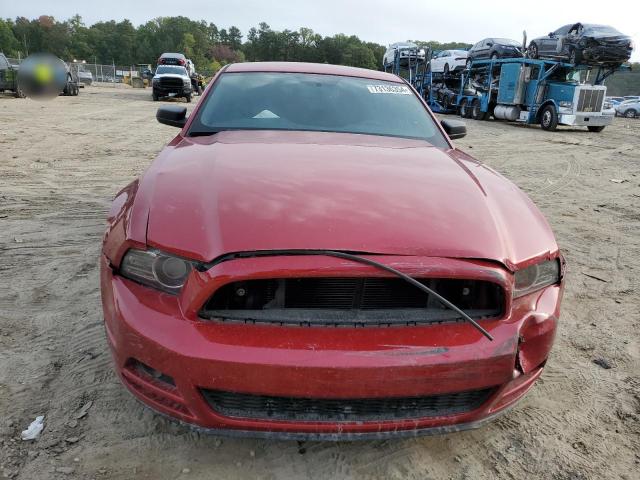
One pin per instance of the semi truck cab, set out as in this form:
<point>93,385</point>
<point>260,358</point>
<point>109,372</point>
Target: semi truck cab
<point>555,93</point>
<point>579,104</point>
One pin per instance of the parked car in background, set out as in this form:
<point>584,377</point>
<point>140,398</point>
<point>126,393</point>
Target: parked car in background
<point>84,76</point>
<point>614,100</point>
<point>407,50</point>
<point>628,108</point>
<point>171,81</point>
<point>608,108</point>
<point>9,76</point>
<point>449,61</point>
<point>586,43</point>
<point>495,48</point>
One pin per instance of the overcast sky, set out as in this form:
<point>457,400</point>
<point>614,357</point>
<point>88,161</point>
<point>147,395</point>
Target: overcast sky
<point>372,20</point>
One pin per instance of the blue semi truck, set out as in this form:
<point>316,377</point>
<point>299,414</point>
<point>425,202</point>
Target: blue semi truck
<point>544,92</point>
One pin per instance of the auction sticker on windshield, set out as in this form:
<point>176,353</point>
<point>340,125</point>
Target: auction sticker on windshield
<point>395,89</point>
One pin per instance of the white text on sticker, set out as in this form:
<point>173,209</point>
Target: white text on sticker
<point>394,89</point>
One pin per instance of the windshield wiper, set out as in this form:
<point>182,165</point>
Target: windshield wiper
<point>357,259</point>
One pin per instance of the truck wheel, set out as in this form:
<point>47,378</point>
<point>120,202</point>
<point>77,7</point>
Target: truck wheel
<point>549,118</point>
<point>595,128</point>
<point>631,113</point>
<point>464,109</point>
<point>188,98</point>
<point>446,69</point>
<point>154,96</point>
<point>476,112</point>
<point>533,50</point>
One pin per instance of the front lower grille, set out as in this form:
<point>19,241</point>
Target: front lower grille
<point>262,407</point>
<point>352,301</point>
<point>590,100</point>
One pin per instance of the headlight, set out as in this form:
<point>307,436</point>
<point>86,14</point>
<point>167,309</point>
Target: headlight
<point>156,269</point>
<point>566,104</point>
<point>536,277</point>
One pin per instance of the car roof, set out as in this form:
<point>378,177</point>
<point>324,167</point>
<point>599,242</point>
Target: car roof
<point>403,44</point>
<point>313,68</point>
<point>166,54</point>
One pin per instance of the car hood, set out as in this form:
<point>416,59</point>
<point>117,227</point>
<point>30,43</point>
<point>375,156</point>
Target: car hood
<point>269,190</point>
<point>608,37</point>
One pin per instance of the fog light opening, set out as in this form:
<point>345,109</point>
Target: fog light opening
<point>156,375</point>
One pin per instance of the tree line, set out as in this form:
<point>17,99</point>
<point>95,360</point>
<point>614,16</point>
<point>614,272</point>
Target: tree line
<point>207,45</point>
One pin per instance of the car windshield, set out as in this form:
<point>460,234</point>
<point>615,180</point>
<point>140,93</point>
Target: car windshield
<point>600,29</point>
<point>171,69</point>
<point>506,41</point>
<point>311,102</point>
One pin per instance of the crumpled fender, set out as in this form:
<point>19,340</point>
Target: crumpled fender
<point>538,330</point>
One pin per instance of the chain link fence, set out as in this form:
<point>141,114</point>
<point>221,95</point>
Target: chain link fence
<point>110,75</point>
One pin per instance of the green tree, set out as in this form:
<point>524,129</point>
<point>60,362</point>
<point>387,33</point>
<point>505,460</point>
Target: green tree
<point>9,44</point>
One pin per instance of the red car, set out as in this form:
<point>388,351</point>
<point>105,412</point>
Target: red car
<point>311,257</point>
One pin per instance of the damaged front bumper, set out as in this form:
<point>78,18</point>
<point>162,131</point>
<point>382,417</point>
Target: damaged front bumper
<point>607,54</point>
<point>169,358</point>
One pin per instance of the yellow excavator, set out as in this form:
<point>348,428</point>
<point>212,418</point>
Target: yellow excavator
<point>139,77</point>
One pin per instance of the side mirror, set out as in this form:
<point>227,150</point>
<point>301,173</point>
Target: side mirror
<point>172,115</point>
<point>454,128</point>
<point>551,34</point>
<point>489,44</point>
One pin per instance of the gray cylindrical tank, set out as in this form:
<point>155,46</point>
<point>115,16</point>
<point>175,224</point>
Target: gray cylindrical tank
<point>506,112</point>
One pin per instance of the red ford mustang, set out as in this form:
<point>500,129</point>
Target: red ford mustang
<point>311,257</point>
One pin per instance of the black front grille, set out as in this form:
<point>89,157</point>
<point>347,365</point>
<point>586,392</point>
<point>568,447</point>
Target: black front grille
<point>171,82</point>
<point>242,405</point>
<point>352,301</point>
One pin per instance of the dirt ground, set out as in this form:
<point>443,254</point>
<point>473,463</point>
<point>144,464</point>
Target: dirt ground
<point>62,162</point>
